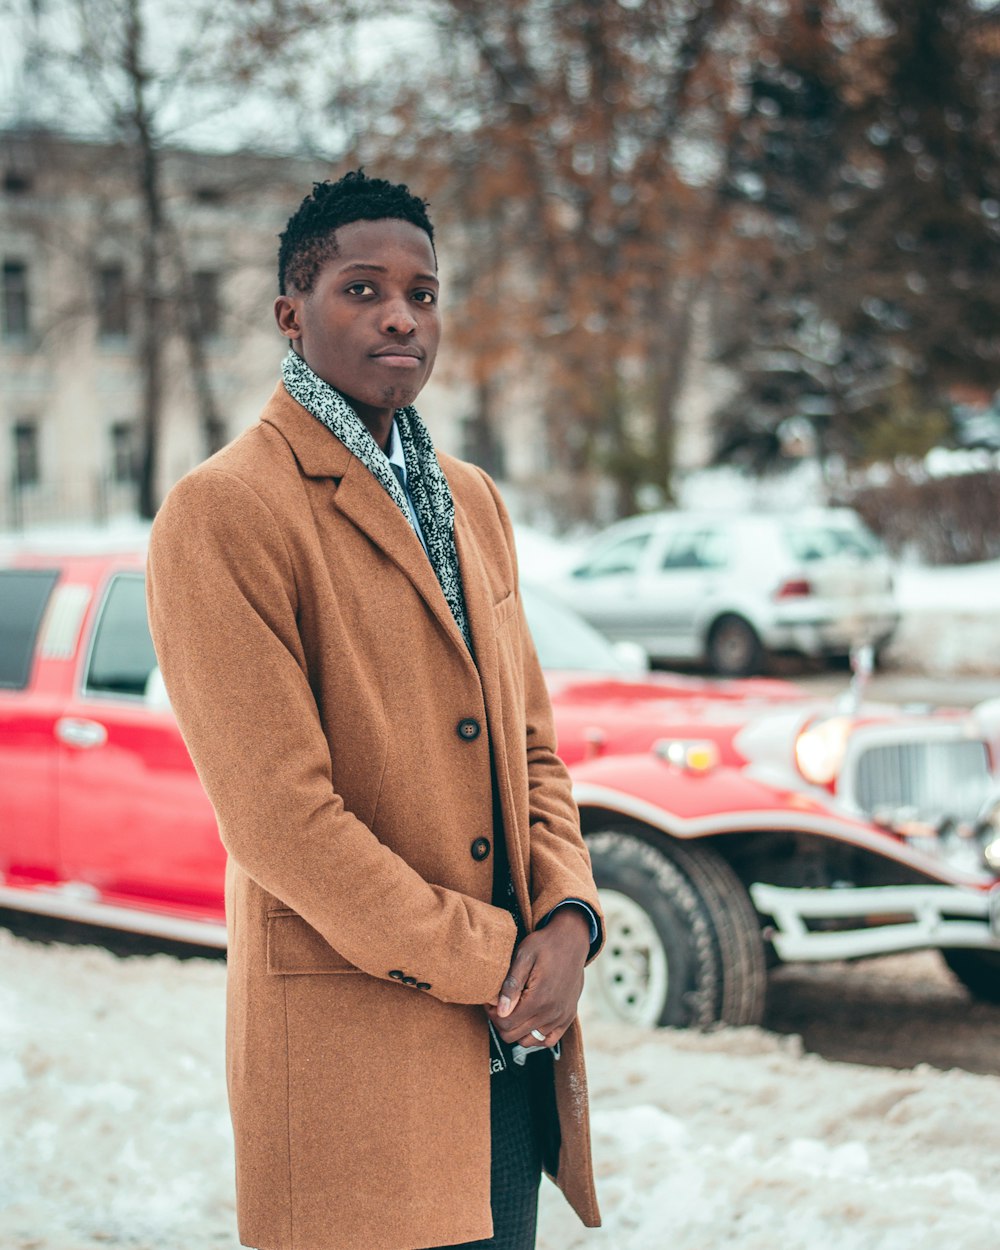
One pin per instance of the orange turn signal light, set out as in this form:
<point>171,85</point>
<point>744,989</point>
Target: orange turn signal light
<point>692,755</point>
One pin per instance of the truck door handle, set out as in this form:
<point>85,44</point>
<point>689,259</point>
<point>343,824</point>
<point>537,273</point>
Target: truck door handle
<point>80,733</point>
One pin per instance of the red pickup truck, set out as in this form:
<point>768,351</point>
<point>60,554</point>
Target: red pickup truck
<point>731,824</point>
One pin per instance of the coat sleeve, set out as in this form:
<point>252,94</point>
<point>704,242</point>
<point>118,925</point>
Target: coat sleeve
<point>560,863</point>
<point>222,611</point>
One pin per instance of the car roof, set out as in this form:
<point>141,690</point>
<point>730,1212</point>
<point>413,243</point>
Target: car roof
<point>69,546</point>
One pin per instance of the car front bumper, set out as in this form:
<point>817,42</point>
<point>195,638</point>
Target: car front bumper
<point>814,925</point>
<point>824,637</point>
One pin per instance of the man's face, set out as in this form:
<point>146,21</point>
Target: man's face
<point>370,326</point>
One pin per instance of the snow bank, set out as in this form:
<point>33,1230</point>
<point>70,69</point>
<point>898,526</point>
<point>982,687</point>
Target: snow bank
<point>950,621</point>
<point>114,1128</point>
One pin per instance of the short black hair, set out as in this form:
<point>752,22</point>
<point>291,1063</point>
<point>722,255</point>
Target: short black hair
<point>309,241</point>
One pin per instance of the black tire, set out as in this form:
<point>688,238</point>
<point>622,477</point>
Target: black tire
<point>733,648</point>
<point>979,972</point>
<point>706,926</point>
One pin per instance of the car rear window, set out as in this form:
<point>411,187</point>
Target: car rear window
<point>122,656</point>
<point>824,542</point>
<point>23,596</point>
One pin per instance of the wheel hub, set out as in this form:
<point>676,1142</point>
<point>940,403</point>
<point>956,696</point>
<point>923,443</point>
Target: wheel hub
<point>733,645</point>
<point>629,981</point>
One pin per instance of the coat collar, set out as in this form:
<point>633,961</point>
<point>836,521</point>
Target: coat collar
<point>319,454</point>
<point>361,498</point>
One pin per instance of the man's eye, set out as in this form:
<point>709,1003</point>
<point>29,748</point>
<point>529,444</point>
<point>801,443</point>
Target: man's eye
<point>425,297</point>
<point>360,288</point>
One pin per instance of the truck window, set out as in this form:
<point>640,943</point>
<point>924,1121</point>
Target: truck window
<point>23,596</point>
<point>122,656</point>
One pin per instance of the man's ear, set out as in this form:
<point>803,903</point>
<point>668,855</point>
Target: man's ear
<point>286,314</point>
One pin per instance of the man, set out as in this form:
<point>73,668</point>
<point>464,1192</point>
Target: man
<point>410,904</point>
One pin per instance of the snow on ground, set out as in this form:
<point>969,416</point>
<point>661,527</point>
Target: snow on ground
<point>118,534</point>
<point>114,1131</point>
<point>970,589</point>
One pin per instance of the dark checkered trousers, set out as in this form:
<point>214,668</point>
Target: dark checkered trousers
<point>524,1125</point>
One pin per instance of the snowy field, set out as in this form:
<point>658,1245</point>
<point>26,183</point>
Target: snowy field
<point>114,1130</point>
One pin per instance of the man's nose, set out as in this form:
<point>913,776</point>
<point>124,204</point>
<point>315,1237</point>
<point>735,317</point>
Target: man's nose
<point>398,318</point>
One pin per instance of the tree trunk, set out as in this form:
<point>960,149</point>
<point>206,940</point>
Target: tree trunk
<point>152,326</point>
<point>483,447</point>
<point>188,323</point>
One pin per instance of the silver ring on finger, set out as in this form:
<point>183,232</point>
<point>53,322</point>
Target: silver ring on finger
<point>539,1037</point>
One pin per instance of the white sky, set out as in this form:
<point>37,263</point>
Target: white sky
<point>208,117</point>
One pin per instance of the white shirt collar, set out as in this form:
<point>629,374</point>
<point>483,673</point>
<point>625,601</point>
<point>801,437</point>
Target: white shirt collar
<point>395,452</point>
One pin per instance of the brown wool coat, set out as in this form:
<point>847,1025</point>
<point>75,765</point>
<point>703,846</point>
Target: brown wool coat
<point>318,678</point>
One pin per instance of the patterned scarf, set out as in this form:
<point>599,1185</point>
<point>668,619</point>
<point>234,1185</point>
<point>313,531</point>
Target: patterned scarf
<point>427,485</point>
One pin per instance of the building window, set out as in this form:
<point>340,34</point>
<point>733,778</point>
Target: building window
<point>209,195</point>
<point>27,462</point>
<point>208,310</point>
<point>112,302</point>
<point>123,452</point>
<point>16,318</point>
<point>16,183</point>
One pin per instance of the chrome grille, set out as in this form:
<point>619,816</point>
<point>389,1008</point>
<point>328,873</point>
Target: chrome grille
<point>934,778</point>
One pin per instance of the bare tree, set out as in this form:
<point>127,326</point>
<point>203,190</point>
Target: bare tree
<point>547,133</point>
<point>139,77</point>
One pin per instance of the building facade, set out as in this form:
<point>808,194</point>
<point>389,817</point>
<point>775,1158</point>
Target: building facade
<point>72,370</point>
<point>74,375</point>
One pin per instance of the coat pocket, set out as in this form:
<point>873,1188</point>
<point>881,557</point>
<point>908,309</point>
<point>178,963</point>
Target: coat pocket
<point>504,609</point>
<point>295,948</point>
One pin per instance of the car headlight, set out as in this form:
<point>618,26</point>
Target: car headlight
<point>988,829</point>
<point>820,749</point>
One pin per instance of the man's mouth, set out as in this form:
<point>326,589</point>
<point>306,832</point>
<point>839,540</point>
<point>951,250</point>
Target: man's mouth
<point>399,357</point>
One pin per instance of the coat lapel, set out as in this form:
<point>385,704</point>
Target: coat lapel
<point>482,625</point>
<point>360,497</point>
<point>478,608</point>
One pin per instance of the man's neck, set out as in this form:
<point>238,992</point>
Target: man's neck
<point>379,426</point>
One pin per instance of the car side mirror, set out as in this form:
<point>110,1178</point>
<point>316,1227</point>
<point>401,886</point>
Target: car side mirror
<point>155,693</point>
<point>633,657</point>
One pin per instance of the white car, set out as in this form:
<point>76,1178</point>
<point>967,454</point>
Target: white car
<point>726,588</point>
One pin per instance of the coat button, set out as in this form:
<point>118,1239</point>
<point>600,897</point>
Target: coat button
<point>480,848</point>
<point>396,974</point>
<point>409,980</point>
<point>423,985</point>
<point>468,729</point>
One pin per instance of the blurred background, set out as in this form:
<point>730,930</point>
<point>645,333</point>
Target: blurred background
<point>753,239</point>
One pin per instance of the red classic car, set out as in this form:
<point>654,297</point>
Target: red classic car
<point>732,824</point>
